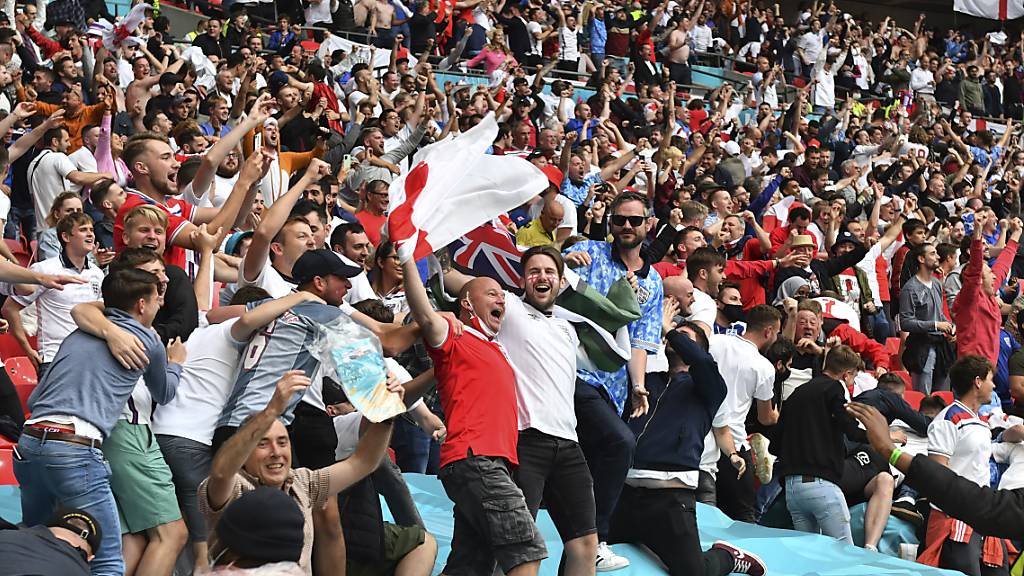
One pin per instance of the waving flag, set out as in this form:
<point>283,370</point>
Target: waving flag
<point>454,187</point>
<point>489,250</point>
<point>992,9</point>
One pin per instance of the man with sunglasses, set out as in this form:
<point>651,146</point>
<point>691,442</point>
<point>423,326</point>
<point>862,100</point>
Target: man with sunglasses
<point>601,397</point>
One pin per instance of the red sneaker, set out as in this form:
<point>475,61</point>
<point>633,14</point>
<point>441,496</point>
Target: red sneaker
<point>743,562</point>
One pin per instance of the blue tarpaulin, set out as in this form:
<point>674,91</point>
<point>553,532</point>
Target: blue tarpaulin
<point>787,553</point>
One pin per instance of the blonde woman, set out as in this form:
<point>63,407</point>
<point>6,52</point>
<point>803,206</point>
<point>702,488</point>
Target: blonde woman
<point>495,53</point>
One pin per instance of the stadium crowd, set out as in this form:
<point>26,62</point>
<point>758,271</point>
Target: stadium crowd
<point>810,224</point>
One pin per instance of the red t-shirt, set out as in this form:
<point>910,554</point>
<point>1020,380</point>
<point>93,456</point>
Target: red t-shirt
<point>478,394</point>
<point>178,212</point>
<point>372,224</point>
<point>670,269</point>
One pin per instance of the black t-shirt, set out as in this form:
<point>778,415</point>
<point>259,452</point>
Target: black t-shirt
<point>20,196</point>
<point>299,135</point>
<point>811,429</point>
<point>179,315</point>
<point>421,27</point>
<point>37,552</point>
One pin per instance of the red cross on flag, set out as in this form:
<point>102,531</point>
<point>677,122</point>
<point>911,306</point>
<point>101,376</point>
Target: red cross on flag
<point>992,9</point>
<point>455,186</point>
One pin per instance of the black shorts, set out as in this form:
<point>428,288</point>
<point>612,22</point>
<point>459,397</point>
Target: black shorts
<point>492,522</point>
<point>860,468</point>
<point>553,470</point>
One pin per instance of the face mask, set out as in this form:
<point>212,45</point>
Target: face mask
<point>734,312</point>
<point>477,323</point>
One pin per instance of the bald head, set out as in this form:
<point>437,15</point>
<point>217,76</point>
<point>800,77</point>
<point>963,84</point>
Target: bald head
<point>680,288</point>
<point>551,216</point>
<point>484,299</point>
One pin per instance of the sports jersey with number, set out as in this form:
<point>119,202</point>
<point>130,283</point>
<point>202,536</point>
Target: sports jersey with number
<point>283,345</point>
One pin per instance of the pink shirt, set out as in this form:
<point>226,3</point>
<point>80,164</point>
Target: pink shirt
<point>492,60</point>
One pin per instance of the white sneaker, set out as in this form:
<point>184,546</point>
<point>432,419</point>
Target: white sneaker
<point>608,560</point>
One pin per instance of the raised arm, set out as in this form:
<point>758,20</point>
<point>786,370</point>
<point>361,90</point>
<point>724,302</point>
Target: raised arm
<point>215,155</point>
<point>433,326</point>
<point>233,454</point>
<point>265,313</point>
<point>273,220</point>
<point>125,347</point>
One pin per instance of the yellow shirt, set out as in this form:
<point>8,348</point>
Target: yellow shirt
<point>533,234</point>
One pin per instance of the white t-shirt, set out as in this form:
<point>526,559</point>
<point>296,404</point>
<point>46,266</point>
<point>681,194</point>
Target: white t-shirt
<point>748,376</point>
<point>361,289</point>
<point>84,161</point>
<point>569,44</point>
<point>356,97</point>
<point>1011,453</point>
<point>55,306</point>
<point>703,309</point>
<point>270,280</point>
<point>318,12</point>
<point>207,378</point>
<point>542,351</point>
<point>551,105</point>
<point>47,178</point>
<point>960,435</point>
<point>569,219</point>
<point>535,45</point>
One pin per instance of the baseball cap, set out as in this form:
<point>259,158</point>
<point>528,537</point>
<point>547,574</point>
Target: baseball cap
<point>555,176</point>
<point>235,240</point>
<point>264,524</point>
<point>321,262</point>
<point>80,522</point>
<point>731,148</point>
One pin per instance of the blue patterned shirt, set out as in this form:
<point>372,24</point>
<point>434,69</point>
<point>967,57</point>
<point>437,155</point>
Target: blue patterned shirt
<point>578,192</point>
<point>644,333</point>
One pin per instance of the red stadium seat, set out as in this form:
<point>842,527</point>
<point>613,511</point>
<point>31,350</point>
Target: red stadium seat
<point>945,395</point>
<point>20,252</point>
<point>9,347</point>
<point>913,397</point>
<point>7,468</point>
<point>23,374</point>
<point>892,345</point>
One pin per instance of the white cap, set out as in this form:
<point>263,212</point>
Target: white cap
<point>731,148</point>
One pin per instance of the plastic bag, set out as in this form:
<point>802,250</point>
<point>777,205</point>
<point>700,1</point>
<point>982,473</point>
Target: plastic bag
<point>351,355</point>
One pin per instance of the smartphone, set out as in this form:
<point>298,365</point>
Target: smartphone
<point>258,141</point>
<point>346,162</point>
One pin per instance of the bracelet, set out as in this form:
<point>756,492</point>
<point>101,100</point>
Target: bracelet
<point>896,453</point>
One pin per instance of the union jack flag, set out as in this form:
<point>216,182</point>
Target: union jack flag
<point>488,250</point>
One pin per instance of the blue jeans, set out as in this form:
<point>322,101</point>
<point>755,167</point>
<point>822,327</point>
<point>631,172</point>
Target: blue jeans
<point>927,380</point>
<point>21,220</point>
<point>880,326</point>
<point>53,473</point>
<point>818,505</point>
<point>411,446</point>
<point>608,444</point>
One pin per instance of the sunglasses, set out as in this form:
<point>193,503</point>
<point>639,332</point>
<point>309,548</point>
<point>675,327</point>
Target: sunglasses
<point>634,221</point>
